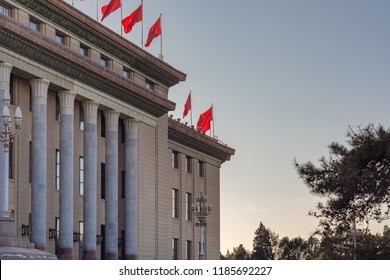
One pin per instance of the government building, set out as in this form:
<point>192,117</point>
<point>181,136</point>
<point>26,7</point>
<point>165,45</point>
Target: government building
<point>99,169</point>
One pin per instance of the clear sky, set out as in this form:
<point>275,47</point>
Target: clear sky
<point>286,78</point>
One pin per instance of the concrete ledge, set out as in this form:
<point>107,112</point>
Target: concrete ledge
<point>16,253</point>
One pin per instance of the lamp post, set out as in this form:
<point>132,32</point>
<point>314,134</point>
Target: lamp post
<point>201,210</point>
<point>7,136</point>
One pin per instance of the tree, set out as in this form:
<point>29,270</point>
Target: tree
<point>292,249</point>
<point>354,180</point>
<point>264,244</point>
<point>240,253</point>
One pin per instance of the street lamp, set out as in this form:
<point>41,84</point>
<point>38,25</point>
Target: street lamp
<point>201,210</point>
<point>7,136</point>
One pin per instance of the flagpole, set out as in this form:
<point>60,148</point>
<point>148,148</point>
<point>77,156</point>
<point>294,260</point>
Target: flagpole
<point>212,112</point>
<point>97,10</point>
<point>161,37</point>
<point>191,109</point>
<point>142,28</point>
<point>72,2</point>
<point>120,23</point>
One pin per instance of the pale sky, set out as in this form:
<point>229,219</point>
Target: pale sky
<point>286,79</point>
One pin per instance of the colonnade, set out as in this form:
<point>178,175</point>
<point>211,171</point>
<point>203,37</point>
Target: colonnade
<point>39,92</point>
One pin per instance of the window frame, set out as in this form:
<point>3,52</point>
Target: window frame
<point>36,24</point>
<point>57,169</point>
<point>103,180</point>
<point>84,50</point>
<point>175,203</point>
<point>188,206</point>
<point>81,175</point>
<point>60,37</point>
<point>201,167</point>
<point>104,61</point>
<point>5,10</point>
<point>188,164</point>
<point>175,248</point>
<point>175,159</point>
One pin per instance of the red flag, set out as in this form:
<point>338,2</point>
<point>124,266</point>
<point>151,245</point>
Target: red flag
<point>204,120</point>
<point>110,7</point>
<point>187,106</point>
<point>128,22</point>
<point>154,32</point>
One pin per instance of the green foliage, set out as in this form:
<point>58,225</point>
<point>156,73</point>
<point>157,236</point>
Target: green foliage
<point>264,244</point>
<point>355,179</point>
<point>240,253</point>
<point>297,248</point>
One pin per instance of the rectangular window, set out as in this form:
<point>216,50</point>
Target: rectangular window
<point>29,162</point>
<point>148,85</point>
<point>175,203</point>
<point>35,24</point>
<point>188,207</point>
<point>60,38</point>
<point>81,175</point>
<point>123,130</point>
<point>84,50</point>
<point>103,61</point>
<point>188,164</point>
<point>11,89</point>
<point>103,180</point>
<point>200,168</point>
<point>57,226</point>
<point>102,244</point>
<point>102,125</point>
<point>30,101</point>
<point>10,161</point>
<point>5,10</point>
<point>58,169</point>
<point>123,237</point>
<point>81,230</point>
<point>123,183</point>
<point>175,159</point>
<point>81,118</point>
<point>127,73</point>
<point>175,245</point>
<point>58,113</point>
<point>188,250</point>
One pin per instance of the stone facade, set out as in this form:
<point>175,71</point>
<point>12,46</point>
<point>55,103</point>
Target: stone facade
<point>45,77</point>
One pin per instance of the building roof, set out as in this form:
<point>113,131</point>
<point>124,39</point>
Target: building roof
<point>44,50</point>
<point>188,136</point>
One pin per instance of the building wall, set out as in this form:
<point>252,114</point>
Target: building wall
<point>156,177</point>
<point>191,182</point>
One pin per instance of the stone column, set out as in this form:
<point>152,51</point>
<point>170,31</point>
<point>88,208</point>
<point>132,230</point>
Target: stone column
<point>65,246</point>
<point>111,228</point>
<point>39,89</point>
<point>90,164</point>
<point>5,73</point>
<point>131,189</point>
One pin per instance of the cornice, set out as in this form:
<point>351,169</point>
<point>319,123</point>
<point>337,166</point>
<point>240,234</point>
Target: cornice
<point>189,137</point>
<point>37,47</point>
<point>74,21</point>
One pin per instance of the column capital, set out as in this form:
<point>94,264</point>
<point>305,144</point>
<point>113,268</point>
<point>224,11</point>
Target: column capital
<point>90,111</point>
<point>39,89</point>
<point>5,73</point>
<point>112,118</point>
<point>66,98</point>
<point>131,128</point>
